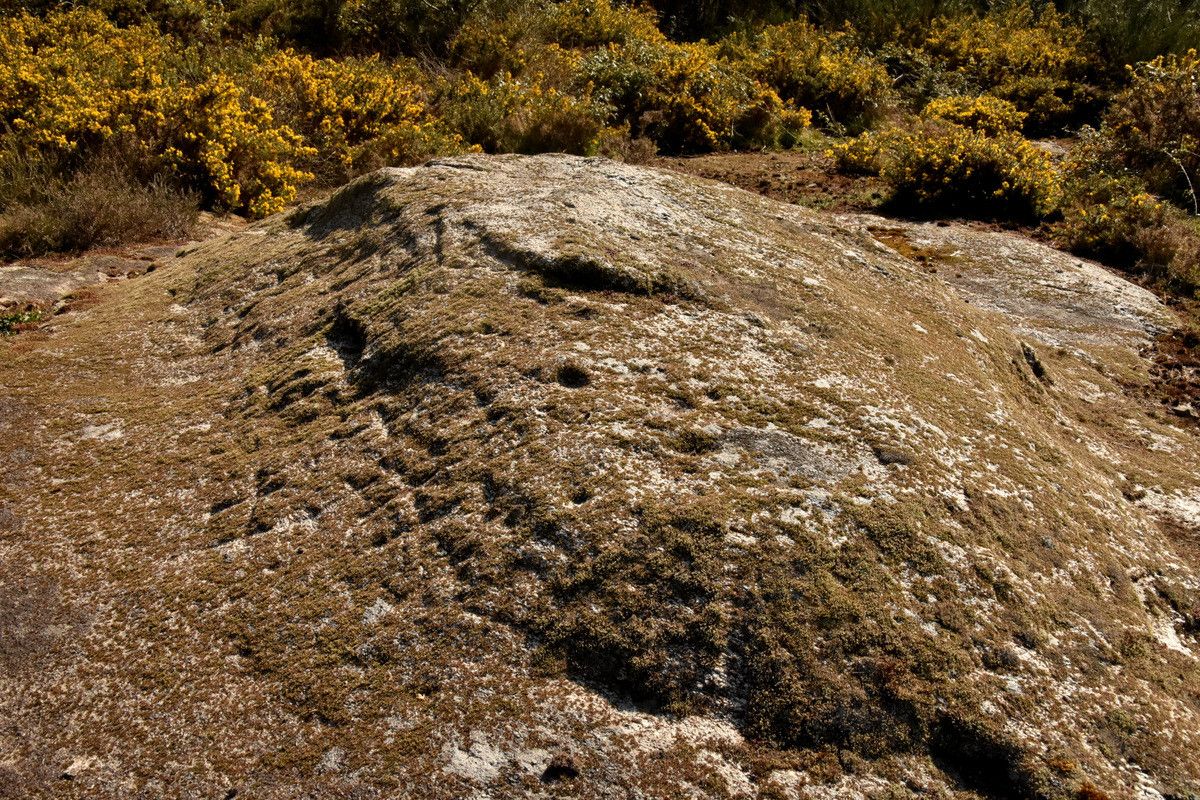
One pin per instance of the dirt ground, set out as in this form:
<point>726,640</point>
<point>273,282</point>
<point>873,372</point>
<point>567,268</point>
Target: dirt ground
<point>805,177</point>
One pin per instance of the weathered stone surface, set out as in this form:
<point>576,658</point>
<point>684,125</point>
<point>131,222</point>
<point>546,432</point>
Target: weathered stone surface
<point>49,284</point>
<point>550,476</point>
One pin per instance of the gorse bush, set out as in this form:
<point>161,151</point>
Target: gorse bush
<point>878,19</point>
<point>687,98</point>
<point>1035,59</point>
<point>74,80</point>
<point>814,69</point>
<point>984,113</point>
<point>934,167</point>
<point>597,23</point>
<point>227,145</point>
<point>1103,217</point>
<point>614,59</point>
<point>860,155</point>
<point>511,115</point>
<point>354,114</point>
<point>1153,128</point>
<point>551,39</point>
<point>938,168</point>
<point>1117,221</point>
<point>1131,185</point>
<point>73,83</point>
<point>237,105</point>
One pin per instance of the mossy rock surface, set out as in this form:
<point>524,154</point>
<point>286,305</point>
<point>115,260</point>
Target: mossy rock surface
<point>547,476</point>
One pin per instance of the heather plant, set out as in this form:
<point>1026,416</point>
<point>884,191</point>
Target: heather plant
<point>1172,254</point>
<point>100,205</point>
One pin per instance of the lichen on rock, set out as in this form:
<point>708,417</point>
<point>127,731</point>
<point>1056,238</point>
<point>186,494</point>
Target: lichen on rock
<point>506,473</point>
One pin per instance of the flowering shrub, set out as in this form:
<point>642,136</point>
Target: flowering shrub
<point>816,69</point>
<point>936,167</point>
<point>354,114</point>
<point>597,23</point>
<point>224,141</point>
<point>860,155</point>
<point>243,127</point>
<point>1152,128</point>
<point>621,70</point>
<point>73,83</point>
<point>511,115</point>
<point>984,113</point>
<point>1131,185</point>
<point>1114,219</point>
<point>687,98</point>
<point>1036,60</point>
<point>1103,216</point>
<point>74,80</point>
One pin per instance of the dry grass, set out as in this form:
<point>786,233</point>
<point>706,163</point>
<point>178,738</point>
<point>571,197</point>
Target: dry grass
<point>102,206</point>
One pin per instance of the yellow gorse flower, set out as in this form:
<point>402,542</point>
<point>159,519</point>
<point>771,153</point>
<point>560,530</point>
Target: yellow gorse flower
<point>73,81</point>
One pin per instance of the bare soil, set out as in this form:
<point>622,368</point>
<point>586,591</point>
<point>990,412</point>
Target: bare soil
<point>804,177</point>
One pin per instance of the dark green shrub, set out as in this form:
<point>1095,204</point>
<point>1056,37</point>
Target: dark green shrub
<point>1129,31</point>
<point>401,26</point>
<point>515,115</point>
